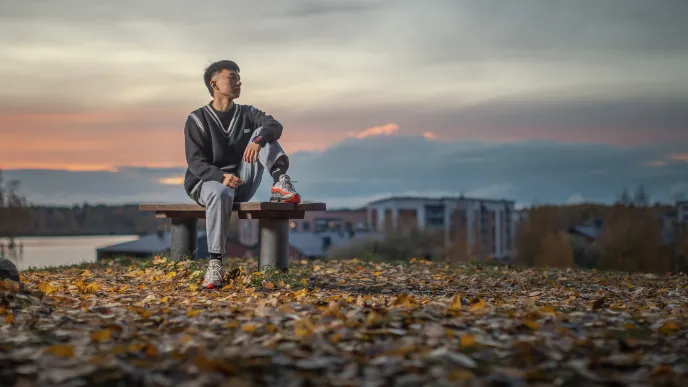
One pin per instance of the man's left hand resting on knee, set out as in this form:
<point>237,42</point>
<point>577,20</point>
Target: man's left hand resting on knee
<point>228,146</point>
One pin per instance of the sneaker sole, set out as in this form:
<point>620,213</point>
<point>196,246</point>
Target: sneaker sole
<point>296,199</point>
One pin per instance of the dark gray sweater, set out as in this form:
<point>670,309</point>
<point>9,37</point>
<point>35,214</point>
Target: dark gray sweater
<point>213,149</point>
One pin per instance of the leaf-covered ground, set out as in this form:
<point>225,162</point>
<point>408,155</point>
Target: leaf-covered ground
<point>342,323</point>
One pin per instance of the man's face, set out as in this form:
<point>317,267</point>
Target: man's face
<point>227,83</point>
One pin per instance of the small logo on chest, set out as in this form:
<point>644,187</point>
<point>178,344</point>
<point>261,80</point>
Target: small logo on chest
<point>247,130</point>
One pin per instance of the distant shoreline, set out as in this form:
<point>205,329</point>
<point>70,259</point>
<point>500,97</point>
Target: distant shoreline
<point>53,235</point>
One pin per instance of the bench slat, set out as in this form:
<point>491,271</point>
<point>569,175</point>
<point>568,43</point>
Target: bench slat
<point>242,206</point>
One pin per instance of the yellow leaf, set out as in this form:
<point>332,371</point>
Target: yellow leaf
<point>548,310</point>
<point>151,350</point>
<point>231,324</point>
<point>334,338</point>
<point>669,327</point>
<point>92,287</point>
<point>157,260</point>
<point>303,328</point>
<point>61,350</point>
<point>46,288</point>
<point>9,318</point>
<point>101,335</point>
<point>165,299</point>
<point>193,287</point>
<point>193,313</point>
<point>403,300</point>
<point>332,310</point>
<point>455,302</point>
<point>123,288</point>
<point>250,328</point>
<point>171,274</point>
<point>301,293</point>
<point>316,268</point>
<point>268,285</point>
<point>467,340</point>
<point>477,305</point>
<point>86,273</point>
<point>531,324</point>
<point>460,375</point>
<point>196,273</point>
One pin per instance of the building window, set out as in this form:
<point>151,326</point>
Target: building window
<point>327,224</point>
<point>434,215</point>
<point>306,226</point>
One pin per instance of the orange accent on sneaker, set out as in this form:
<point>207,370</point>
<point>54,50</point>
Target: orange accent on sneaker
<point>210,286</point>
<point>277,190</point>
<point>296,199</point>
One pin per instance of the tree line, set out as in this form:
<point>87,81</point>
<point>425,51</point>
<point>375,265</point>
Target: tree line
<point>629,235</point>
<point>20,218</point>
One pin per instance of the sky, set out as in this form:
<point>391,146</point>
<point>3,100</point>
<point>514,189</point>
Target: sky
<point>554,101</point>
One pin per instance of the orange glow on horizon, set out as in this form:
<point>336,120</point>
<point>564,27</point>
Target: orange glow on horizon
<point>176,180</point>
<point>656,163</point>
<point>430,136</point>
<point>679,157</point>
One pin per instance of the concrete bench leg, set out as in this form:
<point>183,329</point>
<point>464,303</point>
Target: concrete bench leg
<point>274,243</point>
<point>184,238</point>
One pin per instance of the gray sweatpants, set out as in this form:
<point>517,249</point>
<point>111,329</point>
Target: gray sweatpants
<point>218,199</point>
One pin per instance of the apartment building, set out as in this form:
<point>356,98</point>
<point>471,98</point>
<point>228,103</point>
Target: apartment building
<point>470,226</point>
<point>682,211</point>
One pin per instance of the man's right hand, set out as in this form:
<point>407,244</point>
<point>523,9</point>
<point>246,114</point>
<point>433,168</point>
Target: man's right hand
<point>231,181</point>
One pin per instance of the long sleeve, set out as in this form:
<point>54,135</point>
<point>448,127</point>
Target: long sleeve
<point>271,128</point>
<point>196,157</point>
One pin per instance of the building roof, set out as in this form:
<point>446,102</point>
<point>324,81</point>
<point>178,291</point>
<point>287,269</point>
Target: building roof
<point>313,244</point>
<point>438,199</point>
<point>151,243</point>
<point>158,243</point>
<point>308,243</point>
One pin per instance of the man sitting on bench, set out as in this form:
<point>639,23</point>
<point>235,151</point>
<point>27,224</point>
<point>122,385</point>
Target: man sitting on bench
<point>228,146</point>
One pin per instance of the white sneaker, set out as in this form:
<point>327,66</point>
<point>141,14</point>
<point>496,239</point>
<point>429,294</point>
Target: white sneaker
<point>214,275</point>
<point>283,191</point>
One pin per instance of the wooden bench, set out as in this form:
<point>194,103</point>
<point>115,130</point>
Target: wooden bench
<point>273,226</point>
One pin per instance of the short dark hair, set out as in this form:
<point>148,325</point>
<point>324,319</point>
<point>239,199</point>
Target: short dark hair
<point>215,68</point>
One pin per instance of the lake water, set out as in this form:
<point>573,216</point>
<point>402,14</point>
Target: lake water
<point>57,251</point>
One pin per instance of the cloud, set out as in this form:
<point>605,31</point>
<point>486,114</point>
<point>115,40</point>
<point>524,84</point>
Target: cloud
<point>464,87</point>
<point>354,171</point>
<point>384,130</point>
<point>174,180</point>
<point>575,199</point>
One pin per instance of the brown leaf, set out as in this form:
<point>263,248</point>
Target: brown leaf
<point>101,335</point>
<point>61,350</point>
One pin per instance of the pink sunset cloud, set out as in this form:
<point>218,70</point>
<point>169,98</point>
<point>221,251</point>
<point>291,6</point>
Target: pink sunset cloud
<point>384,130</point>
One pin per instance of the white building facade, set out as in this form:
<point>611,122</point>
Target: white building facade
<point>481,227</point>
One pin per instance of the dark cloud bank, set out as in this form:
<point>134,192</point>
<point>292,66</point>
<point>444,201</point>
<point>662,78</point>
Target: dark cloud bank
<point>357,170</point>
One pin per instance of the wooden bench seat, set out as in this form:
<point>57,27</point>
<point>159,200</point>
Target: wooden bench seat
<point>273,226</point>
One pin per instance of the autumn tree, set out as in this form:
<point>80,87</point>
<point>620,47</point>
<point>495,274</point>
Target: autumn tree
<point>14,215</point>
<point>640,198</point>
<point>539,222</point>
<point>555,251</point>
<point>630,240</point>
<point>624,198</point>
<point>681,254</point>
